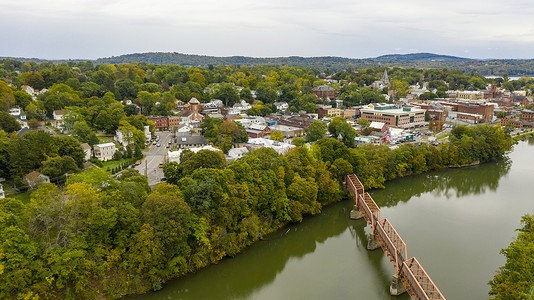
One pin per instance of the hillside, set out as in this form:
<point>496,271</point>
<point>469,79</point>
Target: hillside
<point>514,67</point>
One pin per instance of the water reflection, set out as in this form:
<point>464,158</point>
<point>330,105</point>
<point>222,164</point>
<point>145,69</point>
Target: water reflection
<point>257,267</point>
<point>448,183</point>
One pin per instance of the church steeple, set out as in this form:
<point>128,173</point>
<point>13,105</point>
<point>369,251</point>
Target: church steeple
<point>385,78</point>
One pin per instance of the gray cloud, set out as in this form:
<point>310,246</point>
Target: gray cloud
<point>98,28</point>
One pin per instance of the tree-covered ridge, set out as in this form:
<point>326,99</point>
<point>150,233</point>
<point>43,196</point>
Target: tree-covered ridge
<point>103,237</point>
<point>515,67</point>
<point>515,280</point>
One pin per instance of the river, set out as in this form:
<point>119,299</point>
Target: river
<point>453,221</point>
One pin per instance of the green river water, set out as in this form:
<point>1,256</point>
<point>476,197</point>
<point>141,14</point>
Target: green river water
<point>454,222</point>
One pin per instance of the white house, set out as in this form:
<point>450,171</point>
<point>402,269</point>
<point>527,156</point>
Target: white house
<point>2,195</point>
<point>19,115</point>
<point>281,106</point>
<point>87,150</point>
<point>236,153</point>
<point>35,178</point>
<point>58,119</point>
<point>148,135</point>
<point>122,139</point>
<point>175,155</point>
<point>105,151</point>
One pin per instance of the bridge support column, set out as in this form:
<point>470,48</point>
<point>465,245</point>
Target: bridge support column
<point>355,213</point>
<point>372,242</point>
<point>397,286</point>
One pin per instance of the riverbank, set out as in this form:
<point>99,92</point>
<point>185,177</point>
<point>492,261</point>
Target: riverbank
<point>145,238</point>
<point>469,215</point>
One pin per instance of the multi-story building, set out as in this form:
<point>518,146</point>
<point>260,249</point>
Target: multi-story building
<point>406,117</point>
<point>161,122</point>
<point>324,91</point>
<point>470,95</point>
<point>527,118</point>
<point>105,151</point>
<point>483,109</point>
<point>174,122</point>
<point>328,110</point>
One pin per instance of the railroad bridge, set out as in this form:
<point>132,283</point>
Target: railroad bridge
<point>410,275</point>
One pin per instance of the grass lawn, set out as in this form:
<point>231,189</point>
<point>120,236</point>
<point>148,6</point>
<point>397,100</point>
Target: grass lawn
<point>111,164</point>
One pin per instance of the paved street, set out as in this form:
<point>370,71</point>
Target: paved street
<point>153,156</point>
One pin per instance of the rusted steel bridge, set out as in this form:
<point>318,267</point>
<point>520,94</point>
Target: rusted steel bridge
<point>410,275</point>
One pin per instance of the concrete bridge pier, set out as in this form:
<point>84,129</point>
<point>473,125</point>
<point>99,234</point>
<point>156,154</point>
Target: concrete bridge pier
<point>355,213</point>
<point>397,286</point>
<point>372,242</point>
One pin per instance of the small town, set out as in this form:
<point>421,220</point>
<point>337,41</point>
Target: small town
<point>409,119</point>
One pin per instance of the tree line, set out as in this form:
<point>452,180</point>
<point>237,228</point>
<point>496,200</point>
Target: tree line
<point>104,237</point>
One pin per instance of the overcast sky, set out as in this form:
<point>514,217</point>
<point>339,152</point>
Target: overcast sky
<point>57,29</point>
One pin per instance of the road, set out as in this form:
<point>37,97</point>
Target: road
<point>153,157</point>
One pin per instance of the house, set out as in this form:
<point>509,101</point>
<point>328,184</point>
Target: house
<point>186,140</point>
<point>35,178</point>
<point>2,195</point>
<point>19,115</point>
<point>174,156</point>
<point>288,131</point>
<point>28,89</point>
<point>281,106</point>
<point>87,150</point>
<point>236,153</point>
<point>124,139</point>
<point>148,134</point>
<point>105,151</point>
<point>280,147</point>
<point>257,130</point>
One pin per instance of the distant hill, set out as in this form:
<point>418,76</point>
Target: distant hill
<point>514,67</point>
<point>414,57</point>
<point>165,58</point>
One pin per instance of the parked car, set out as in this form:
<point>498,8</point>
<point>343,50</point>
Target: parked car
<point>158,145</point>
<point>154,143</point>
<point>161,164</point>
<point>137,162</point>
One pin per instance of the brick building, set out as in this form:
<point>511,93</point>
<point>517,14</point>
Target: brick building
<point>483,109</point>
<point>324,91</point>
<point>161,122</point>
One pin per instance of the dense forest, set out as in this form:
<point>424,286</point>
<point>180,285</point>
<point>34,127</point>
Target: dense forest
<point>496,67</point>
<point>103,237</point>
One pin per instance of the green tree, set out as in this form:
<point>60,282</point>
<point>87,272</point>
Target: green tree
<point>277,136</point>
<point>339,126</point>
<point>227,93</point>
<point>364,122</point>
<point>8,123</point>
<point>166,212</point>
<point>55,167</point>
<point>514,280</point>
<point>315,131</point>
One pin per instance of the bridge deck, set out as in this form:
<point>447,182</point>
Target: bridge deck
<point>417,281</point>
